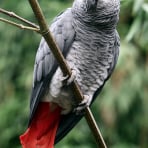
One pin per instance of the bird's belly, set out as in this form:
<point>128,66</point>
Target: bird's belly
<point>91,67</point>
<point>91,64</point>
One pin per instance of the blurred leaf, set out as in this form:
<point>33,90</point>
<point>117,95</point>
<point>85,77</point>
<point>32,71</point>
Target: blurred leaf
<point>137,6</point>
<point>133,30</point>
<point>145,7</point>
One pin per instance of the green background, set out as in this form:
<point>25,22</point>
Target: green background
<point>121,110</point>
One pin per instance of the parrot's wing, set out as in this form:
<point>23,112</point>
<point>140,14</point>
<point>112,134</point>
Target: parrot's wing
<point>70,120</point>
<point>45,63</point>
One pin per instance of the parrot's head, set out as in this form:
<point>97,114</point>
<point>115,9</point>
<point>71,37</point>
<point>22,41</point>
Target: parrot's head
<point>94,11</point>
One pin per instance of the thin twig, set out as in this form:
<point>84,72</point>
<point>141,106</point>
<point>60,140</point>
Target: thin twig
<point>21,26</point>
<point>65,69</point>
<point>12,14</point>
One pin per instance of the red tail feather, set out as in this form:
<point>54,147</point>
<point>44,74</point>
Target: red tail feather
<point>42,130</point>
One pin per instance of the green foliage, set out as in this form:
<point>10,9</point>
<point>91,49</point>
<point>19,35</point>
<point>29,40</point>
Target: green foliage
<point>121,109</point>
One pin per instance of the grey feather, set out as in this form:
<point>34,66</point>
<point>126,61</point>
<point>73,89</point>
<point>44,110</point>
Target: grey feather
<point>87,36</point>
<point>45,63</point>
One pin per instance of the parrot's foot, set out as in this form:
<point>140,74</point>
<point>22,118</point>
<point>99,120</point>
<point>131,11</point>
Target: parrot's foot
<point>69,79</point>
<point>72,77</point>
<point>84,104</point>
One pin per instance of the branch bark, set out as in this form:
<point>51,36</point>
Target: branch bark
<point>65,69</point>
<point>21,26</point>
<point>13,15</point>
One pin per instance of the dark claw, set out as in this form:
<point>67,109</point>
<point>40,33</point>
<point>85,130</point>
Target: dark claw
<point>84,104</point>
<point>79,112</point>
<point>72,77</point>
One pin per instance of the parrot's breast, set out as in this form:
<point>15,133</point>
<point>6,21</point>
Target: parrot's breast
<point>91,55</point>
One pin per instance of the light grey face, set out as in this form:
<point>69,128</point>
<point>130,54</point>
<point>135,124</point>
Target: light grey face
<point>96,11</point>
<point>93,4</point>
<point>85,5</point>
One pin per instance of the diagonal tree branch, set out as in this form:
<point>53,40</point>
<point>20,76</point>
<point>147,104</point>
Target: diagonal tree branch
<point>65,69</point>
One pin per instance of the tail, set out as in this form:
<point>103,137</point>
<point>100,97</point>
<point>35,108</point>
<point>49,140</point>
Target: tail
<point>42,130</point>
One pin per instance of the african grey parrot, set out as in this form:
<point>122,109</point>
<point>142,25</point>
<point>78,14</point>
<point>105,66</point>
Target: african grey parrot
<point>88,39</point>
